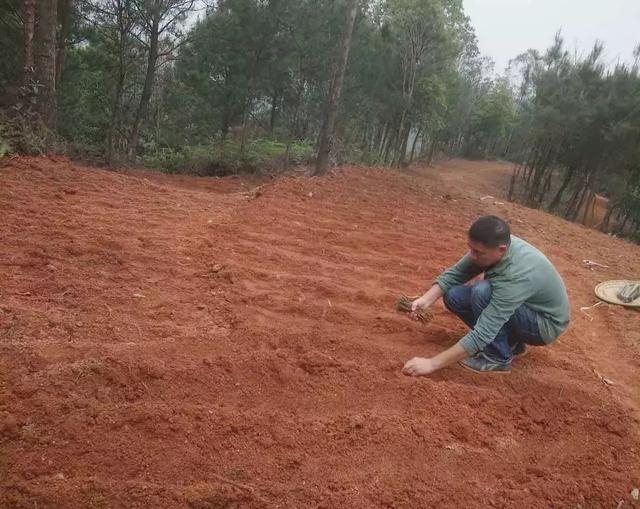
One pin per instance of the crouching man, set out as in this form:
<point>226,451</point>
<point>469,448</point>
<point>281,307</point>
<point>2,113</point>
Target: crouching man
<point>521,301</point>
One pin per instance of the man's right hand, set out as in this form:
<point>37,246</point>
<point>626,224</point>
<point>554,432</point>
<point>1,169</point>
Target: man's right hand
<point>419,304</point>
<point>424,302</point>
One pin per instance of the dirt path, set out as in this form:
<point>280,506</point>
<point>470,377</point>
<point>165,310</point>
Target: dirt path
<point>175,343</point>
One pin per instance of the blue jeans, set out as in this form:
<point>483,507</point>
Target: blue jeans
<point>468,302</point>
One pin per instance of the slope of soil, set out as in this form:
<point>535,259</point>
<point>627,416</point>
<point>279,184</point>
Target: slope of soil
<point>179,342</point>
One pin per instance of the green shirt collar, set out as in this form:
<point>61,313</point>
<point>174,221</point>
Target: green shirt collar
<point>505,261</point>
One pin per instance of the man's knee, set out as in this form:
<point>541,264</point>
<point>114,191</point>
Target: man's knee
<point>481,294</point>
<point>456,298</point>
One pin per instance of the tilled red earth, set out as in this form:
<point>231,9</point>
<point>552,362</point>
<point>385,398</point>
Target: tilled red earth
<point>179,342</point>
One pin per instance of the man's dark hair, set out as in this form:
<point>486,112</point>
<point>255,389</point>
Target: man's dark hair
<point>490,231</point>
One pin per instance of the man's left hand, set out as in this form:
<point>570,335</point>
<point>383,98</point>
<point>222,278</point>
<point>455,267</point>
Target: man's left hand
<point>419,366</point>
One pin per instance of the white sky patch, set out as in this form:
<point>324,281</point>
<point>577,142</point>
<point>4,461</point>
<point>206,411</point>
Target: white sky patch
<point>506,28</point>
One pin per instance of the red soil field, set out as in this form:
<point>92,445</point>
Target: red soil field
<point>170,342</point>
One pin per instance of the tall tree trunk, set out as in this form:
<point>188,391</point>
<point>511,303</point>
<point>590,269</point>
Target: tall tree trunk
<point>424,145</point>
<point>413,145</point>
<point>45,61</point>
<point>327,133</point>
<point>607,218</point>
<point>512,182</point>
<point>533,169</point>
<point>29,30</point>
<point>294,124</point>
<point>576,199</point>
<point>622,226</point>
<point>432,150</point>
<point>225,119</point>
<point>538,179</point>
<point>507,146</point>
<point>143,107</point>
<point>371,142</point>
<point>383,139</point>
<point>588,207</point>
<point>274,111</point>
<point>576,211</point>
<point>387,155</point>
<point>364,143</point>
<point>64,22</point>
<point>555,203</point>
<point>399,142</point>
<point>402,151</point>
<point>546,187</point>
<point>115,118</point>
<point>243,135</point>
<point>117,98</point>
<point>529,165</point>
<point>373,139</point>
<point>572,200</point>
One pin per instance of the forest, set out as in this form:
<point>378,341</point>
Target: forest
<point>228,86</point>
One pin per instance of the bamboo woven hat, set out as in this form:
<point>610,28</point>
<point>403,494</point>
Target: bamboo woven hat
<point>609,290</point>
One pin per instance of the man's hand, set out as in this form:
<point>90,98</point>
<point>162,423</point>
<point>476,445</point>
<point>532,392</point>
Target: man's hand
<point>433,294</point>
<point>419,304</point>
<point>419,366</point>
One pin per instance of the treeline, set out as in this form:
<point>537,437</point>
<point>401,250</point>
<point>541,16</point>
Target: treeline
<point>131,81</point>
<point>578,135</point>
<point>231,85</point>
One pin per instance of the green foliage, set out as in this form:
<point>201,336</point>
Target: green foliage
<point>11,44</point>
<point>230,156</point>
<point>5,146</point>
<point>492,119</point>
<point>264,68</point>
<point>84,98</point>
<point>578,134</point>
<point>21,132</point>
<point>405,54</point>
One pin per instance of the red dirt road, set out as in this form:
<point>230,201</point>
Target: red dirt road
<point>172,342</point>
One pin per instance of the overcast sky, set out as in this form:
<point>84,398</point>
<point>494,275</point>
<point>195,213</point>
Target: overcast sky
<point>506,28</point>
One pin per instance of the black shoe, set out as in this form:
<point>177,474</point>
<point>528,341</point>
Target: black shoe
<point>482,364</point>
